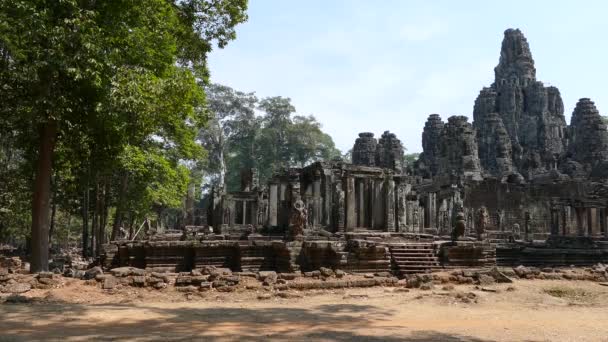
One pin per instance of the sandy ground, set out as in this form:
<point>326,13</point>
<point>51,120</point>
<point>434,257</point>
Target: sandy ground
<point>537,310</point>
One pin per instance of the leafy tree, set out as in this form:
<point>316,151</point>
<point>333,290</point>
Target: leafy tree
<point>273,139</point>
<point>76,66</point>
<point>232,128</point>
<point>307,142</point>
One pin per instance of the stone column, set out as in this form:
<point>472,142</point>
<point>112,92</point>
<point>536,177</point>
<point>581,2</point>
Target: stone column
<point>244,212</point>
<point>590,222</point>
<point>316,200</point>
<point>580,231</point>
<point>603,226</point>
<point>390,204</point>
<point>431,211</point>
<point>327,200</point>
<point>360,184</point>
<point>564,220</point>
<point>273,197</point>
<point>339,206</point>
<point>379,204</point>
<point>351,218</point>
<point>554,219</point>
<point>527,219</point>
<point>401,205</point>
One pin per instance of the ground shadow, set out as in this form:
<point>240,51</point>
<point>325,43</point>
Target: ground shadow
<point>336,322</point>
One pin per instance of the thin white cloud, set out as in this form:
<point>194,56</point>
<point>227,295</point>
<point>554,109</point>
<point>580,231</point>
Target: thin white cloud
<point>422,31</point>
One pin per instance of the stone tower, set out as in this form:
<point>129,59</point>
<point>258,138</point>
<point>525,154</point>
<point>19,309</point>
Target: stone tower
<point>428,162</point>
<point>364,151</point>
<point>389,152</point>
<point>459,149</point>
<point>532,114</point>
<point>588,135</point>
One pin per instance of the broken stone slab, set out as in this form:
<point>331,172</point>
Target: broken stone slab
<point>226,289</point>
<point>205,286</point>
<point>498,276</point>
<point>231,280</point>
<point>48,281</point>
<point>139,281</point>
<point>246,274</point>
<point>383,274</point>
<point>187,289</point>
<point>164,276</point>
<point>17,288</point>
<point>269,277</point>
<point>326,272</point>
<point>160,285</point>
<point>484,279</point>
<point>127,271</point>
<point>92,273</point>
<point>43,275</point>
<point>288,295</point>
<point>289,276</point>
<point>313,274</point>
<point>109,283</point>
<point>264,296</point>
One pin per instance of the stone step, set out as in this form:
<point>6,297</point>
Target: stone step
<point>428,258</point>
<point>416,262</point>
<point>413,253</point>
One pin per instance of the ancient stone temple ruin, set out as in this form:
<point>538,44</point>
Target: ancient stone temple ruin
<point>526,187</point>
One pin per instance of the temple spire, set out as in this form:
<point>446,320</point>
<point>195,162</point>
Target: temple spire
<point>516,63</point>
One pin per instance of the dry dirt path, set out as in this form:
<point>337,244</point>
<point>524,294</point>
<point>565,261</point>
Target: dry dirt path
<point>573,311</point>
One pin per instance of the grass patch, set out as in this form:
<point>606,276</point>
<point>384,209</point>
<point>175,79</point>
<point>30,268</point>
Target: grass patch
<point>570,293</point>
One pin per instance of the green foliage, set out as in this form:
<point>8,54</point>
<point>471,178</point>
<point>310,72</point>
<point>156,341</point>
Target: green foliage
<point>238,138</point>
<point>410,158</point>
<point>120,79</point>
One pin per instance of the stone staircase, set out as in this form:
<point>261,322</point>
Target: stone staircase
<point>410,258</point>
<point>256,258</point>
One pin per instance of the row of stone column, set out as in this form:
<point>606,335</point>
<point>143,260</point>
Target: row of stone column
<point>587,221</point>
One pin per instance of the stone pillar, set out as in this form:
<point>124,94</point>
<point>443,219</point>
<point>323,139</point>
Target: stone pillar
<point>590,231</point>
<point>379,204</point>
<point>603,226</point>
<point>430,211</point>
<point>580,231</point>
<point>351,218</point>
<point>273,197</point>
<point>327,200</point>
<point>361,212</point>
<point>554,219</point>
<point>244,211</point>
<point>401,208</point>
<point>390,204</point>
<point>316,200</point>
<point>527,219</point>
<point>339,206</point>
<point>564,220</point>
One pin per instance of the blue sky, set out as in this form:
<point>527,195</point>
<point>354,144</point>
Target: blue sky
<point>386,65</point>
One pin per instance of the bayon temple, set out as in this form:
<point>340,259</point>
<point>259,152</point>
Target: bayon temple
<point>516,186</point>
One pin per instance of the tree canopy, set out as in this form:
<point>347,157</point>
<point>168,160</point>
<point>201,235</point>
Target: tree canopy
<point>266,134</point>
<point>103,96</point>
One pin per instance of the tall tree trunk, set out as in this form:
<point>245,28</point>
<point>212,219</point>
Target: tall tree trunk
<point>85,222</point>
<point>222,179</point>
<point>104,210</point>
<point>190,205</point>
<point>40,200</point>
<point>124,184</point>
<point>96,218</point>
<point>52,226</point>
